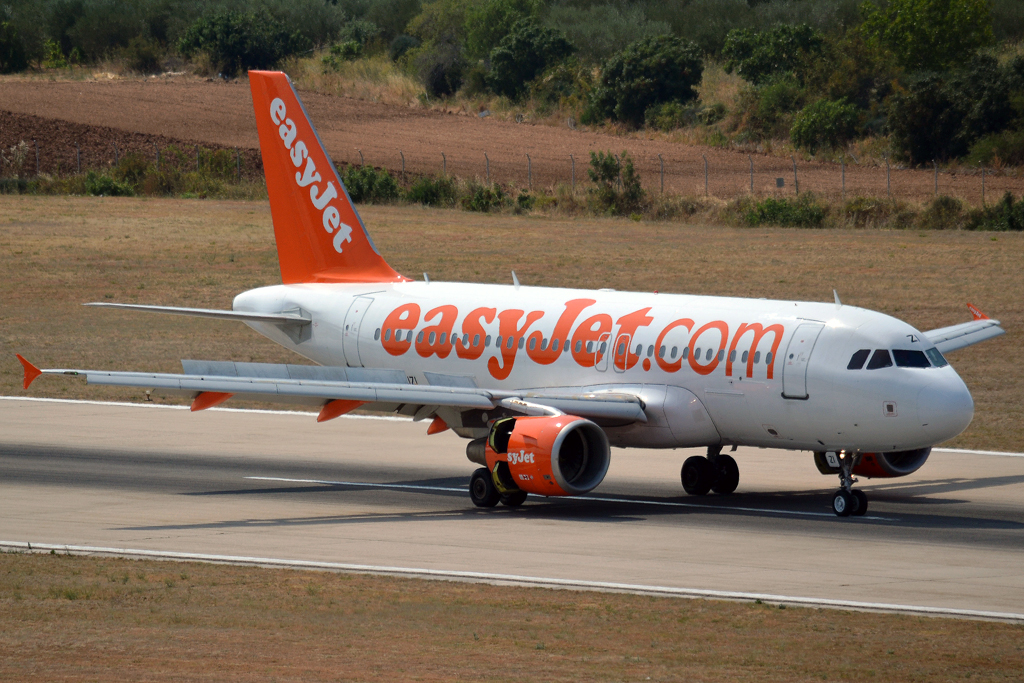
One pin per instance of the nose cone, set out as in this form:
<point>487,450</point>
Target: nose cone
<point>945,407</point>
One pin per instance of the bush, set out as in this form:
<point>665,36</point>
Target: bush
<point>488,23</point>
<point>342,52</point>
<point>12,49</point>
<point>484,198</point>
<point>929,34</point>
<point>648,72</point>
<point>142,55</point>
<point>942,213</point>
<point>618,189</point>
<point>599,31</point>
<point>802,212</point>
<point>400,45</point>
<point>101,185</point>
<point>567,83</point>
<point>999,148</point>
<point>522,55</point>
<point>440,69</point>
<point>764,112</point>
<point>1008,214</point>
<point>825,123</point>
<point>762,56</point>
<point>237,42</point>
<point>438,191</point>
<point>365,184</point>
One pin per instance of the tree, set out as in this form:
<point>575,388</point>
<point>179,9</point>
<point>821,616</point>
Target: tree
<point>648,72</point>
<point>929,34</point>
<point>523,55</point>
<point>488,23</point>
<point>825,123</point>
<point>12,50</point>
<point>238,42</point>
<point>761,56</point>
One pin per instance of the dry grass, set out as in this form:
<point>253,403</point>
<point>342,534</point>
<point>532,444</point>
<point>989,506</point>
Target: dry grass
<point>375,79</point>
<point>71,618</point>
<point>58,252</point>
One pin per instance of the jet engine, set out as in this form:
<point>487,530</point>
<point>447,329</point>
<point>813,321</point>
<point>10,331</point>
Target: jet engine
<point>559,455</point>
<point>877,465</point>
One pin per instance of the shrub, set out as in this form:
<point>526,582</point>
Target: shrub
<point>341,52</point>
<point>488,23</point>
<point>763,112</point>
<point>132,169</point>
<point>1008,214</point>
<point>400,45</point>
<point>522,55</point>
<point>440,69</point>
<point>54,58</point>
<point>142,55</point>
<point>648,72</point>
<point>1006,147</point>
<point>825,123</point>
<point>618,189</point>
<point>484,198</point>
<point>12,49</point>
<point>359,32</point>
<point>802,212</point>
<point>102,185</point>
<point>437,191</point>
<point>929,34</point>
<point>12,160</point>
<point>365,184</point>
<point>942,213</point>
<point>237,42</point>
<point>599,31</point>
<point>566,83</point>
<point>762,56</point>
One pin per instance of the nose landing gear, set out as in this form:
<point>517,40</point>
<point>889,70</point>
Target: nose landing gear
<point>847,501</point>
<point>717,472</point>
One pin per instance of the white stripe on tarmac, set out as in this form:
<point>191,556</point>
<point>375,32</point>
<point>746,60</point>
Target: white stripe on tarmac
<point>306,413</point>
<point>529,581</point>
<point>662,503</point>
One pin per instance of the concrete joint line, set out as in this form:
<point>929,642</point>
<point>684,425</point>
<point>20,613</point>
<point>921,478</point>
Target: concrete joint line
<point>513,579</point>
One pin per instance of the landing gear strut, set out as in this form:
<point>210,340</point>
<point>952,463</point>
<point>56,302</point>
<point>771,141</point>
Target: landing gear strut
<point>847,501</point>
<point>717,472</point>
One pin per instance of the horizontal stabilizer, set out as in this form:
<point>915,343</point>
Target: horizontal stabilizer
<point>283,318</point>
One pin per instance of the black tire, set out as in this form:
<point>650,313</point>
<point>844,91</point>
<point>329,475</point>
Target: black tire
<point>482,490</point>
<point>728,475</point>
<point>697,475</point>
<point>843,503</point>
<point>862,503</point>
<point>514,500</point>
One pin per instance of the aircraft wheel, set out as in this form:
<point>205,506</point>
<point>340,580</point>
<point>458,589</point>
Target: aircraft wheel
<point>482,490</point>
<point>728,475</point>
<point>862,503</point>
<point>698,475</point>
<point>514,500</point>
<point>843,503</point>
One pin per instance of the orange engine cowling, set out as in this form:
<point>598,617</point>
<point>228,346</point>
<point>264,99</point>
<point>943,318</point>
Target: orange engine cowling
<point>549,456</point>
<point>877,465</point>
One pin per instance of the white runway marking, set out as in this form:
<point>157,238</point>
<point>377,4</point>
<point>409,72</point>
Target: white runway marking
<point>530,581</point>
<point>663,503</point>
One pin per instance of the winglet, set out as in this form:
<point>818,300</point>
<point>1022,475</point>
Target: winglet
<point>31,371</point>
<point>976,312</point>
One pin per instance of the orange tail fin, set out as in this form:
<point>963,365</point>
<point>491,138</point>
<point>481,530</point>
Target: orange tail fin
<point>320,237</point>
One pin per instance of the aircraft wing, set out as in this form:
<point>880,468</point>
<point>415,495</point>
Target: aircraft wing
<point>316,385</point>
<point>954,337</point>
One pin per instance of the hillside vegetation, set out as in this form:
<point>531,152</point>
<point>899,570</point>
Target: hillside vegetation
<point>922,81</point>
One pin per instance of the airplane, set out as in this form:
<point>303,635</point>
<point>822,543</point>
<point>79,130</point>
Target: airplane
<point>542,381</point>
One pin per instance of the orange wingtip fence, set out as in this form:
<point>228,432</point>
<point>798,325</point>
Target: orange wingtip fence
<point>31,371</point>
<point>976,312</point>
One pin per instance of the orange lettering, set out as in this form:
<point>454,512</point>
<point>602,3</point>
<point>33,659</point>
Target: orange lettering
<point>403,318</point>
<point>472,326</point>
<point>437,338</point>
<point>548,355</point>
<point>662,363</point>
<point>694,361</point>
<point>628,325</point>
<point>510,332</point>
<point>759,332</point>
<point>590,330</point>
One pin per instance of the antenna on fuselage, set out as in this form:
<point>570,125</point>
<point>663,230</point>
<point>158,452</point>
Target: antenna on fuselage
<point>839,304</point>
<point>515,280</point>
<point>426,278</point>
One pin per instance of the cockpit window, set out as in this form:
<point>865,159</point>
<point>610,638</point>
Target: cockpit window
<point>906,358</point>
<point>880,359</point>
<point>857,362</point>
<point>935,357</point>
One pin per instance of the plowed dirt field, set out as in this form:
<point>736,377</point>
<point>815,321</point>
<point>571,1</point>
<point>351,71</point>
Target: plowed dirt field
<point>136,113</point>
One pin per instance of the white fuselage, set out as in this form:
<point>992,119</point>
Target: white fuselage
<point>711,370</point>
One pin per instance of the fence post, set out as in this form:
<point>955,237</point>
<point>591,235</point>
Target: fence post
<point>238,165</point>
<point>487,164</point>
<point>889,188</point>
<point>705,175</point>
<point>444,164</point>
<point>403,164</point>
<point>362,162</point>
<point>662,174</point>
<point>573,161</point>
<point>936,164</point>
<point>78,157</point>
<point>157,149</point>
<point>197,158</point>
<point>117,160</point>
<point>796,178</point>
<point>529,173</point>
<point>983,186</point>
<point>842,163</point>
<point>751,160</point>
<point>36,143</point>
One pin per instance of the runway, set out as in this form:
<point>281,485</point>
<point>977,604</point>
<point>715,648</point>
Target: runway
<point>380,492</point>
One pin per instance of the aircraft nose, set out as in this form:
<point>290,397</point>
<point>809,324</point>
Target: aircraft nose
<point>946,407</point>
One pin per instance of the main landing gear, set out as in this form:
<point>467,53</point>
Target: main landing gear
<point>847,501</point>
<point>717,472</point>
<point>485,493</point>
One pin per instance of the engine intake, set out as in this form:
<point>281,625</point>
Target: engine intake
<point>549,456</point>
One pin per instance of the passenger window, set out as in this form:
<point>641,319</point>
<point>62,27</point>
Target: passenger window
<point>443,339</point>
<point>906,358</point>
<point>543,343</point>
<point>858,360</point>
<point>696,354</point>
<point>768,358</point>
<point>465,340</point>
<point>387,334</point>
<point>711,352</point>
<point>686,352</point>
<point>604,345</point>
<point>533,344</point>
<point>487,341</point>
<point>509,341</point>
<point>590,346</point>
<point>743,358</point>
<point>639,349</point>
<point>419,337</point>
<point>935,357</point>
<point>721,356</point>
<point>880,359</point>
<point>522,342</point>
<point>732,356</point>
<point>431,338</point>
<point>476,340</point>
<point>675,349</point>
<point>757,357</point>
<point>554,345</point>
<point>650,350</point>
<point>376,335</point>
<point>622,349</point>
<point>661,352</point>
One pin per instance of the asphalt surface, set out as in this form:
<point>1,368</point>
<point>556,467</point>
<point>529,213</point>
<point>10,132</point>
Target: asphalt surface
<point>380,492</point>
